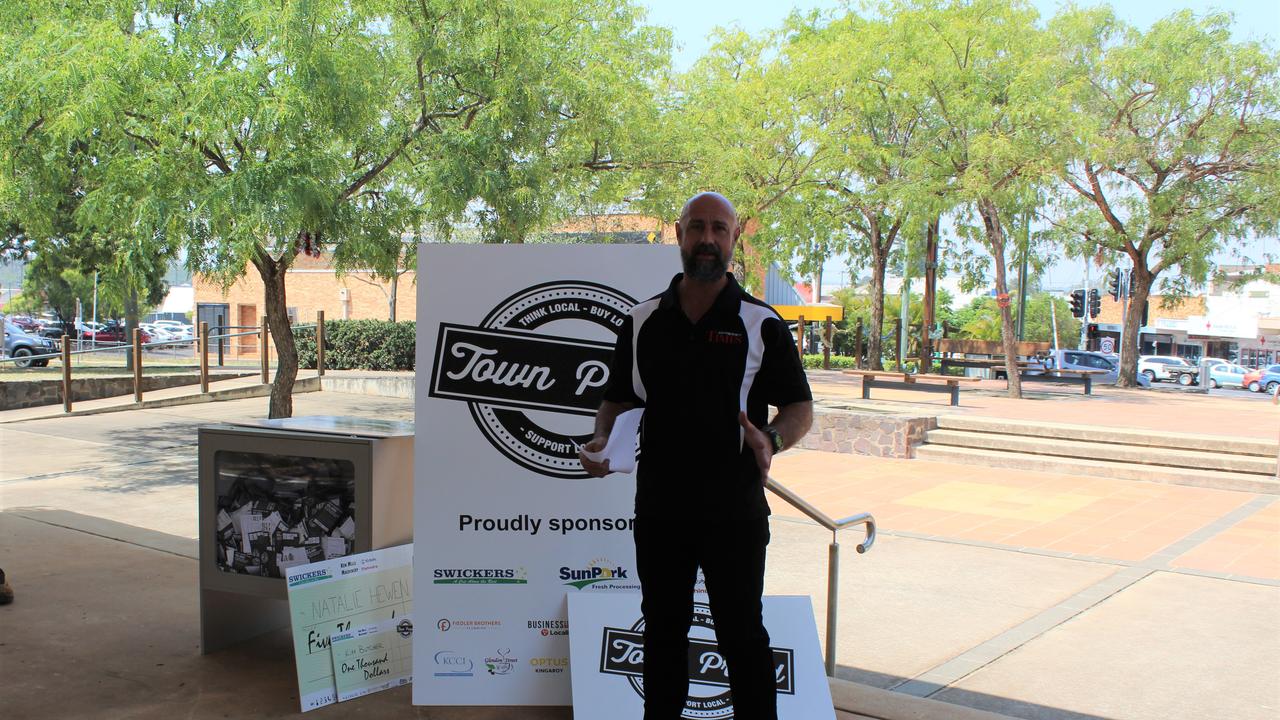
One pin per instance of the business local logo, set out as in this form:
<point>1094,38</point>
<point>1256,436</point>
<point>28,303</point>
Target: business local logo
<point>599,574</point>
<point>447,624</point>
<point>549,665</point>
<point>480,576</point>
<point>511,364</point>
<point>451,664</point>
<point>550,628</point>
<point>622,653</point>
<point>501,663</point>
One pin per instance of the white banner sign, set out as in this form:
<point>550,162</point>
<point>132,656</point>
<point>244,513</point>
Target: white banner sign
<point>608,660</point>
<point>514,343</point>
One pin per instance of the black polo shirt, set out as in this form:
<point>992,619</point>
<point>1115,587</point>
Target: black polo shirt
<point>692,379</point>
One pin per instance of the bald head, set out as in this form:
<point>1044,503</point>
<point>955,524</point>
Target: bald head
<point>708,200</point>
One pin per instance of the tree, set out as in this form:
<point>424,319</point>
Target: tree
<point>1177,150</point>
<point>981,320</point>
<point>251,131</point>
<point>999,89</point>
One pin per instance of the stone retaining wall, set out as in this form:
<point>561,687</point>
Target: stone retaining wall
<point>866,433</point>
<point>15,394</point>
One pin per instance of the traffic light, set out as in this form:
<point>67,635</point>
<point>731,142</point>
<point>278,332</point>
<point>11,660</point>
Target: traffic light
<point>1095,303</point>
<point>1092,331</point>
<point>1077,303</point>
<point>1115,286</point>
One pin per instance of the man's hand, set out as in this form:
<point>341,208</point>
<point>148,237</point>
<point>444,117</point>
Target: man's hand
<point>760,444</point>
<point>593,468</point>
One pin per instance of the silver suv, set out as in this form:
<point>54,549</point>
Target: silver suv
<point>1086,360</point>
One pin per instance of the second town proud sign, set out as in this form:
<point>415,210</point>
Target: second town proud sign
<point>514,344</point>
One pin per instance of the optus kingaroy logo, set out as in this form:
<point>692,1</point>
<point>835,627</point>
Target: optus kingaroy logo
<point>480,576</point>
<point>529,354</point>
<point>598,574</point>
<point>622,654</point>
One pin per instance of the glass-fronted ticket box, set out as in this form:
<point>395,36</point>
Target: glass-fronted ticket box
<point>279,493</point>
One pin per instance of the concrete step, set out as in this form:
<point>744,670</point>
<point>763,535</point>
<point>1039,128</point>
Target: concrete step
<point>1142,455</point>
<point>1112,435</point>
<point>1216,479</point>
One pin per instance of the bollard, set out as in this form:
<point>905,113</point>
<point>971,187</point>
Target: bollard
<point>222,330</point>
<point>827,336</point>
<point>262,353</point>
<point>66,373</point>
<point>800,337</point>
<point>137,365</point>
<point>203,349</point>
<point>320,343</point>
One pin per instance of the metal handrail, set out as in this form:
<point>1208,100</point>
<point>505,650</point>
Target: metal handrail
<point>833,555</point>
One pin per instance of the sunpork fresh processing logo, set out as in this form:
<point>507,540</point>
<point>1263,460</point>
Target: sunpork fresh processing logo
<point>622,654</point>
<point>527,355</point>
<point>480,576</point>
<point>599,574</point>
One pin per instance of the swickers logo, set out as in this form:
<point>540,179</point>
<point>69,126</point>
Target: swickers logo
<point>622,654</point>
<point>480,576</point>
<point>501,663</point>
<point>451,664</point>
<point>599,574</point>
<point>511,363</point>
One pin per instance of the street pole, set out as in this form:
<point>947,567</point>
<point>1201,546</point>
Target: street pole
<point>1022,275</point>
<point>905,324</point>
<point>1084,327</point>
<point>1124,309</point>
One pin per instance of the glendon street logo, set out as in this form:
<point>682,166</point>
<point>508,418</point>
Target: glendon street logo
<point>530,378</point>
<point>599,574</point>
<point>622,654</point>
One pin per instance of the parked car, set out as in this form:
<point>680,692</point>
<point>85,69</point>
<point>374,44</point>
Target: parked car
<point>1086,360</point>
<point>1269,381</point>
<point>22,345</point>
<point>1253,379</point>
<point>1157,367</point>
<point>1227,375</point>
<point>112,332</point>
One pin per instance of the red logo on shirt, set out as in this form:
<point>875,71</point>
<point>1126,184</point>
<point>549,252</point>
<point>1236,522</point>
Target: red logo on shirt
<point>725,337</point>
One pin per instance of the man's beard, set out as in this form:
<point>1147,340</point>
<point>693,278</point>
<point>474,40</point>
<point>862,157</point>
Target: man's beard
<point>704,269</point>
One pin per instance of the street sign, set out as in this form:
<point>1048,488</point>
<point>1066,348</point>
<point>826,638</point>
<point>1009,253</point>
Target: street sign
<point>1107,345</point>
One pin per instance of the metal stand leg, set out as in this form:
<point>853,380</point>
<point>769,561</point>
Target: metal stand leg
<point>833,599</point>
<point>866,387</point>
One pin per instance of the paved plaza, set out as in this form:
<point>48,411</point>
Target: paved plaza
<point>1028,594</point>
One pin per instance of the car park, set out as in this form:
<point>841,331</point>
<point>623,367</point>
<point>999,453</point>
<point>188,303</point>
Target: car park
<point>1163,367</point>
<point>22,346</point>
<point>1086,360</point>
<point>1253,379</point>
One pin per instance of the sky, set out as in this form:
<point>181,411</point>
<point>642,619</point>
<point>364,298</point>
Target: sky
<point>693,22</point>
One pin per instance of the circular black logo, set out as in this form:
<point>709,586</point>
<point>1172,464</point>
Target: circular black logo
<point>405,627</point>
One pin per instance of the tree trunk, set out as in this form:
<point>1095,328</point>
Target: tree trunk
<point>130,322</point>
<point>277,313</point>
<point>879,260</point>
<point>930,297</point>
<point>391,301</point>
<point>1140,285</point>
<point>995,245</point>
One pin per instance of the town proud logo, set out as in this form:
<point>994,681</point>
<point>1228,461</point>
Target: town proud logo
<point>531,380</point>
<point>622,654</point>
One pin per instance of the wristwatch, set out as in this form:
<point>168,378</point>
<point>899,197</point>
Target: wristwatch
<point>775,437</point>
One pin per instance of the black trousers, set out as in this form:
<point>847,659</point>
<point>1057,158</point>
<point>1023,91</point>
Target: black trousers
<point>731,554</point>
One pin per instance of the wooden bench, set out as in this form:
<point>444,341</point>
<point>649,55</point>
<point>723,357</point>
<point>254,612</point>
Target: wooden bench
<point>926,383</point>
<point>948,348</point>
<point>1075,377</point>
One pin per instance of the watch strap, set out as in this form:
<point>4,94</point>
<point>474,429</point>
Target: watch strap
<point>775,437</point>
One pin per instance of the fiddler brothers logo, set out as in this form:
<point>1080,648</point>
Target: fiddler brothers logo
<point>480,576</point>
<point>599,574</point>
<point>510,364</point>
<point>622,653</point>
<point>447,624</point>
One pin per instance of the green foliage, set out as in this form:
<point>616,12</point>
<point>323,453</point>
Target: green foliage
<point>980,320</point>
<point>359,345</point>
<point>838,362</point>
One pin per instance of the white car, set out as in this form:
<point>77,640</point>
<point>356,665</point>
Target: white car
<point>1156,367</point>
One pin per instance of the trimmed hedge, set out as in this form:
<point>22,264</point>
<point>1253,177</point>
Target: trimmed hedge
<point>359,345</point>
<point>838,362</point>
